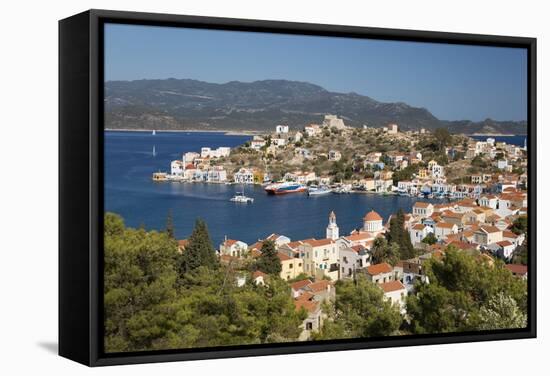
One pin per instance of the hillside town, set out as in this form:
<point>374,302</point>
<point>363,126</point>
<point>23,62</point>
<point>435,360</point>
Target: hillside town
<point>490,228</point>
<point>365,160</point>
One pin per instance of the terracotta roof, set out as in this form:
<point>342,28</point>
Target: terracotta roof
<point>379,268</point>
<point>504,243</point>
<point>419,226</point>
<point>319,286</point>
<point>256,246</point>
<point>489,229</point>
<point>306,295</point>
<point>308,305</point>
<point>229,242</point>
<point>293,245</point>
<point>283,257</point>
<point>462,245</point>
<point>392,286</point>
<point>509,235</point>
<point>359,236</point>
<point>445,225</point>
<point>517,268</point>
<point>372,216</point>
<point>183,243</point>
<point>421,204</point>
<point>190,166</point>
<point>318,243</point>
<point>257,274</point>
<point>300,284</point>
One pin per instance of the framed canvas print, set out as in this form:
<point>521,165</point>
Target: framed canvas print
<point>239,187</point>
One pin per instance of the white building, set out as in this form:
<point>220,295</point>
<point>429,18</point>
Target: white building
<point>279,141</point>
<point>418,232</point>
<point>312,130</point>
<point>332,228</point>
<point>396,293</point>
<point>352,259</point>
<point>190,157</point>
<point>222,151</point>
<point>422,209</point>
<point>257,143</point>
<point>281,129</point>
<point>372,222</point>
<point>244,176</point>
<point>233,248</point>
<point>176,167</point>
<point>320,258</point>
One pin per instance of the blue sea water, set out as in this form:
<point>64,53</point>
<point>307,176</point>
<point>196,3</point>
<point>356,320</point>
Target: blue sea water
<point>130,192</point>
<point>517,140</point>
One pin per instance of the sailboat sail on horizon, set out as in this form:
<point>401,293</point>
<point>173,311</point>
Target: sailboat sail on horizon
<point>154,132</point>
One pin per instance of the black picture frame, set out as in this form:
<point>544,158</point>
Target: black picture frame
<point>81,188</point>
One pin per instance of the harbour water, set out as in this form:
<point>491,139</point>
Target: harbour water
<point>517,140</point>
<point>132,157</point>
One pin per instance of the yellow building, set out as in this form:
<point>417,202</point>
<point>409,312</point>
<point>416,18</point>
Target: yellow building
<point>291,267</point>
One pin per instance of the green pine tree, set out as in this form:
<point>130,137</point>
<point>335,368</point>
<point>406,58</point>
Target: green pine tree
<point>199,251</point>
<point>269,262</point>
<point>170,224</point>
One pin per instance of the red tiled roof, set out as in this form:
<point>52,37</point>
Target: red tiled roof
<point>419,226</point>
<point>372,216</point>
<point>183,243</point>
<point>516,268</point>
<point>283,257</point>
<point>504,243</point>
<point>509,235</point>
<point>392,286</point>
<point>318,243</point>
<point>300,284</point>
<point>359,236</point>
<point>229,242</point>
<point>421,204</point>
<point>445,225</point>
<point>308,305</point>
<point>319,286</point>
<point>379,268</point>
<point>490,229</point>
<point>257,274</point>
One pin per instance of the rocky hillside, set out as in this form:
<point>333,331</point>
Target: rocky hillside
<point>259,105</point>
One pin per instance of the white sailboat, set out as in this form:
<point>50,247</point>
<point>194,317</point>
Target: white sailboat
<point>154,151</point>
<point>154,132</point>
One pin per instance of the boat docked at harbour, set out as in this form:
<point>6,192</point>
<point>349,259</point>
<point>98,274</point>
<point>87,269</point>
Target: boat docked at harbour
<point>285,188</point>
<point>317,191</point>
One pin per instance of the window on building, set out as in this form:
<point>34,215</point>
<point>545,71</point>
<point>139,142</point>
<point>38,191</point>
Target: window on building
<point>309,326</point>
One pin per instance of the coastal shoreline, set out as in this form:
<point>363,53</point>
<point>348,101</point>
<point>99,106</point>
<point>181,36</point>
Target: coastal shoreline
<point>228,133</point>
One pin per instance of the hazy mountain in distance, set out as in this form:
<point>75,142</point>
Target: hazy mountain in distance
<point>260,105</point>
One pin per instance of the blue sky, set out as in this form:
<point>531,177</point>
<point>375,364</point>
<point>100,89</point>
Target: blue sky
<point>453,82</point>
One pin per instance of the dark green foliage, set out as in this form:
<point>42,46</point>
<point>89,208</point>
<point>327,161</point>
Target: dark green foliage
<point>170,224</point>
<point>443,138</point>
<point>146,308</point>
<point>384,252</point>
<point>521,254</point>
<point>400,236</point>
<point>430,239</point>
<point>360,311</point>
<point>269,262</point>
<point>459,287</point>
<point>199,251</point>
<point>478,161</point>
<point>405,174</point>
<point>519,226</point>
